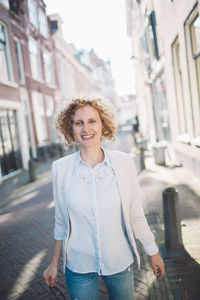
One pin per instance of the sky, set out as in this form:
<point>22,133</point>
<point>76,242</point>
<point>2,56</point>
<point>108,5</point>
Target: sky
<point>101,25</point>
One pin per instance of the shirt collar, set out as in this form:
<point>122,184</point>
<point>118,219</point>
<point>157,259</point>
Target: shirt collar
<point>106,160</point>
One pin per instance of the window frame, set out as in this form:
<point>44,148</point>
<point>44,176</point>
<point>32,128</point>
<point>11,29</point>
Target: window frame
<point>196,54</point>
<point>10,74</point>
<point>43,26</point>
<point>33,13</point>
<point>152,36</point>
<point>46,69</point>
<point>17,162</point>
<point>193,80</point>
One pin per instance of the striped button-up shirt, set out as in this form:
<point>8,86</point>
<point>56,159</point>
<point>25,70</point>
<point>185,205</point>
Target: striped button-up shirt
<point>97,241</point>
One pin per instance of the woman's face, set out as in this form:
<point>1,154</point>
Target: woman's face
<point>87,127</point>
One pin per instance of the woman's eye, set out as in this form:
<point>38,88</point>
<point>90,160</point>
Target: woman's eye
<point>77,123</point>
<point>92,121</point>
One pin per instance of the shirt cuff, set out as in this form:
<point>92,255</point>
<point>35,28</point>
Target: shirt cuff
<point>151,249</point>
<point>58,238</point>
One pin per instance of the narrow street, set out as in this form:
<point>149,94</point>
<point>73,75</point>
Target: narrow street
<point>26,236</point>
<point>66,65</point>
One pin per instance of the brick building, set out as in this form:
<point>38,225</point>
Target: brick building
<point>27,85</point>
<point>15,138</point>
<point>38,69</point>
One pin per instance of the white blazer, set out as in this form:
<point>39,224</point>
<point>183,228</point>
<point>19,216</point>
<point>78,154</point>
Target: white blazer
<point>133,213</point>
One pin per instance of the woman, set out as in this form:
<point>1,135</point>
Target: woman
<point>98,211</point>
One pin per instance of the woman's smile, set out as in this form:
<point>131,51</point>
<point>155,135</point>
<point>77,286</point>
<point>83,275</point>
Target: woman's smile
<point>87,137</point>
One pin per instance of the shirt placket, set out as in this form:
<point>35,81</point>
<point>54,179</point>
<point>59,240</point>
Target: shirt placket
<point>95,220</point>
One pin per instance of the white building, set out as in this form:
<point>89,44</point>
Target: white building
<point>168,65</point>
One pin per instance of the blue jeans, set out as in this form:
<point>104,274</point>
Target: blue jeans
<point>120,286</point>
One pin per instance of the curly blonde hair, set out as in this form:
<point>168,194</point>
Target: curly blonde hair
<point>64,120</point>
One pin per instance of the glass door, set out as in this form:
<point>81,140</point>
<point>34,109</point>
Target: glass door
<point>10,153</point>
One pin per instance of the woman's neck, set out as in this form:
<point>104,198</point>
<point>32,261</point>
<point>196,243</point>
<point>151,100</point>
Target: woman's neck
<point>92,156</point>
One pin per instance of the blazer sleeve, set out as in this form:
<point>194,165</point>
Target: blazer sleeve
<point>59,228</point>
<point>139,223</point>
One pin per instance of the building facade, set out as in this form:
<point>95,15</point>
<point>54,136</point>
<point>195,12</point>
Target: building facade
<point>72,77</point>
<point>40,76</point>
<point>100,73</point>
<point>15,138</point>
<point>38,69</point>
<point>167,62</point>
<point>27,83</point>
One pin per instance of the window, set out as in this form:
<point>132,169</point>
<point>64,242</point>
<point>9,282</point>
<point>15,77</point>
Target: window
<point>5,71</point>
<point>5,3</point>
<point>66,76</point>
<point>153,35</point>
<point>192,34</point>
<point>35,60</point>
<point>53,26</point>
<point>10,154</point>
<point>50,109</point>
<point>40,118</point>
<point>179,88</point>
<point>20,64</point>
<point>32,8</point>
<point>43,24</point>
<point>48,67</point>
<point>14,6</point>
<point>144,42</point>
<point>150,31</point>
<point>195,34</point>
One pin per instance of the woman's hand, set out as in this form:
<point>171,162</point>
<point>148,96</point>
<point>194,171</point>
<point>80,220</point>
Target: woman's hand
<point>157,266</point>
<point>50,275</point>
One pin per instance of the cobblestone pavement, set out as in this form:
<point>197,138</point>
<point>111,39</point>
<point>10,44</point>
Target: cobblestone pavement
<point>183,273</point>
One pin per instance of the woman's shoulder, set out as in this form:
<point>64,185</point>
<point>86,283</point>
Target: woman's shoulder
<point>120,157</point>
<point>119,154</point>
<point>65,160</point>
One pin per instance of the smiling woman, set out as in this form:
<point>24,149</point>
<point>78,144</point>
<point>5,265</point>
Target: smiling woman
<point>98,210</point>
<point>102,109</point>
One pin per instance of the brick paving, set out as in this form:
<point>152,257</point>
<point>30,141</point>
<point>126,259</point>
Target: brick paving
<point>183,274</point>
<point>26,243</point>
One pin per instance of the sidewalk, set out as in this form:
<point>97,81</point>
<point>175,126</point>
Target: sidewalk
<point>21,182</point>
<point>28,210</point>
<point>183,274</point>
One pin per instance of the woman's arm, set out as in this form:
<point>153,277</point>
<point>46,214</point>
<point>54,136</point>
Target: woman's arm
<point>142,230</point>
<point>50,274</point>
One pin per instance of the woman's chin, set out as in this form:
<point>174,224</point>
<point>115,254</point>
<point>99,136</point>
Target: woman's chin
<point>89,144</point>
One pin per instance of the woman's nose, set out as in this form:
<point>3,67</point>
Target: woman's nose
<point>85,127</point>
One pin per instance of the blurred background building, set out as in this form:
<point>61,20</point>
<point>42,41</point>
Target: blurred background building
<point>38,70</point>
<point>166,56</point>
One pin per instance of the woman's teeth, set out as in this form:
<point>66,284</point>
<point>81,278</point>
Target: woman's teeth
<point>87,136</point>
